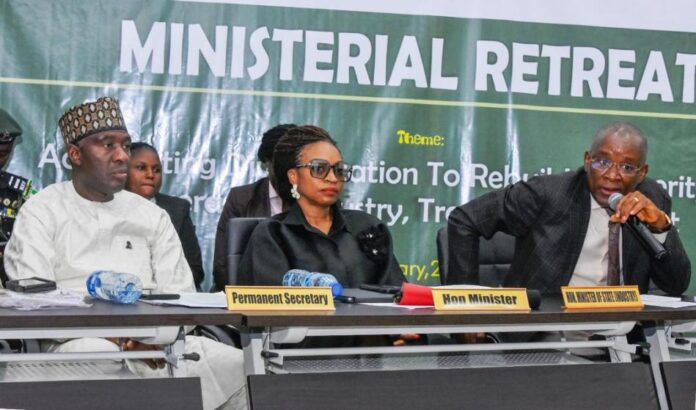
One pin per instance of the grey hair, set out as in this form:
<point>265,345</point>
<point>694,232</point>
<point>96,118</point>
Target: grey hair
<point>624,130</point>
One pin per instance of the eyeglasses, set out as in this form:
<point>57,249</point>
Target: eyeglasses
<point>6,137</point>
<point>624,168</point>
<point>320,168</point>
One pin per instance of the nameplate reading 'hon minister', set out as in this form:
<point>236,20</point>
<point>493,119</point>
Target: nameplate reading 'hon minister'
<point>511,299</point>
<point>278,298</point>
<point>601,297</point>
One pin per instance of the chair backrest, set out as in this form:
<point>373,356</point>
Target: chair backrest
<point>442,253</point>
<point>495,257</point>
<point>238,233</point>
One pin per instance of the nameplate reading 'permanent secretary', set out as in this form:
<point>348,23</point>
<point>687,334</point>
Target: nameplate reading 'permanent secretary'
<point>601,297</point>
<point>278,298</point>
<point>511,299</point>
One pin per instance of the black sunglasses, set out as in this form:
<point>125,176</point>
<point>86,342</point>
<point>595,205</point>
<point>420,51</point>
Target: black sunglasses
<point>6,137</point>
<point>320,168</point>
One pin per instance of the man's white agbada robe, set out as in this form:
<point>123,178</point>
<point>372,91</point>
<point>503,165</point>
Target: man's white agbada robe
<point>62,236</point>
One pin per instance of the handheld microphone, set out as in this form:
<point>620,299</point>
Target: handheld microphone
<point>640,231</point>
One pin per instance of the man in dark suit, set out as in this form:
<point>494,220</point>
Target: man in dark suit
<point>179,211</point>
<point>256,200</point>
<point>561,223</point>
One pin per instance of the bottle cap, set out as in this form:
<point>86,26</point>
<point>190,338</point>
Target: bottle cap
<point>336,289</point>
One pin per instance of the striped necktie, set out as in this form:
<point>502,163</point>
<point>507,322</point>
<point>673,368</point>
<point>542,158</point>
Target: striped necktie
<point>613,269</point>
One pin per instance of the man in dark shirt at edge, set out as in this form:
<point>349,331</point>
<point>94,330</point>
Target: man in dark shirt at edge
<point>14,190</point>
<point>256,200</point>
<point>561,223</point>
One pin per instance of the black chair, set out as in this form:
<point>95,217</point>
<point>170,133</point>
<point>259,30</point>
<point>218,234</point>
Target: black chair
<point>495,257</point>
<point>238,233</point>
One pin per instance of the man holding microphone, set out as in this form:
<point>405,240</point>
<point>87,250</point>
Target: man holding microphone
<point>566,233</point>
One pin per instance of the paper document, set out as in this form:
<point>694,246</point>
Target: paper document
<point>54,299</point>
<point>665,301</point>
<point>194,299</point>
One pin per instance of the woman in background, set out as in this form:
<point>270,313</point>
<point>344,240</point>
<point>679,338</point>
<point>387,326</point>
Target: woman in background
<point>145,179</point>
<point>316,234</point>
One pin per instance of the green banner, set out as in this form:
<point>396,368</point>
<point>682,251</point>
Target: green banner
<point>432,110</point>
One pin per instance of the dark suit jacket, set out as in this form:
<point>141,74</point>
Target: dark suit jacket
<point>247,201</point>
<point>549,216</point>
<point>179,211</point>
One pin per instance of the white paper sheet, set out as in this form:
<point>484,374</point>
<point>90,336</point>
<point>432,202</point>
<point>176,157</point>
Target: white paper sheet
<point>665,301</point>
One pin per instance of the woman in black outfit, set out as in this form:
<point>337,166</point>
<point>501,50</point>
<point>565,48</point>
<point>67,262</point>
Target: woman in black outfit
<point>316,234</point>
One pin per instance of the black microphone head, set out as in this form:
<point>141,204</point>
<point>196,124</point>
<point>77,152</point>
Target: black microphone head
<point>534,297</point>
<point>614,200</point>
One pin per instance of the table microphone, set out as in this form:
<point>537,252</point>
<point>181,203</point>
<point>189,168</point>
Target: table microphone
<point>534,298</point>
<point>640,231</point>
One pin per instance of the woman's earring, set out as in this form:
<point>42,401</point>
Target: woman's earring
<point>294,193</point>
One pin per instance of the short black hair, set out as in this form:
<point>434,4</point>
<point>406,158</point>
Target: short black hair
<point>137,146</point>
<point>287,153</point>
<point>270,139</point>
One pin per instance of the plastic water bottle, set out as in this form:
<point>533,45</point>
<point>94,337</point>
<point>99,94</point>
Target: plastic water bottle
<point>116,287</point>
<point>301,277</point>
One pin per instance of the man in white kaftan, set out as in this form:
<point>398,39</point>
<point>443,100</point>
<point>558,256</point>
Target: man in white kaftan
<point>90,223</point>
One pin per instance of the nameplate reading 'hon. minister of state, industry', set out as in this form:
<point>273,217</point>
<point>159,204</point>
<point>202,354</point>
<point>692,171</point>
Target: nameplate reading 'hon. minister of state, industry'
<point>508,299</point>
<point>601,297</point>
<point>278,298</point>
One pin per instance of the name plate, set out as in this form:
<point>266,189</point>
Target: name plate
<point>509,299</point>
<point>278,298</point>
<point>601,297</point>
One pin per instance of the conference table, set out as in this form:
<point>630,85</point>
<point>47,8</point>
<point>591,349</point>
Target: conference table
<point>262,329</point>
<point>97,380</point>
<point>149,323</point>
<point>266,363</point>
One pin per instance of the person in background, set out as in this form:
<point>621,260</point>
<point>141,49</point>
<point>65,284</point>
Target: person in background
<point>259,199</point>
<point>315,233</point>
<point>89,223</point>
<point>9,131</point>
<point>14,190</point>
<point>145,179</point>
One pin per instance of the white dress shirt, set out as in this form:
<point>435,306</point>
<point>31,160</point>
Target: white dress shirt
<point>591,268</point>
<point>593,262</point>
<point>275,200</point>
